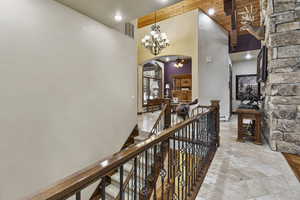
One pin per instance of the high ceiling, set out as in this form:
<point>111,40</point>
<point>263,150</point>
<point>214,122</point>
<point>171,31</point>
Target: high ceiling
<point>105,10</point>
<point>188,5</point>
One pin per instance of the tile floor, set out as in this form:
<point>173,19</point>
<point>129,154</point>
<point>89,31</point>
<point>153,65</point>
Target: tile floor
<point>245,171</point>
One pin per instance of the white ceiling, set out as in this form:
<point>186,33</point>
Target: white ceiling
<point>105,10</point>
<point>241,56</point>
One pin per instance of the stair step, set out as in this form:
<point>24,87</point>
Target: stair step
<point>128,167</point>
<point>115,179</point>
<point>112,190</point>
<point>143,132</point>
<point>140,138</point>
<point>109,197</point>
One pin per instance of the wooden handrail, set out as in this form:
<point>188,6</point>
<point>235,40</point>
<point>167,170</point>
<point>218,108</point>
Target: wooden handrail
<point>78,181</point>
<point>83,178</point>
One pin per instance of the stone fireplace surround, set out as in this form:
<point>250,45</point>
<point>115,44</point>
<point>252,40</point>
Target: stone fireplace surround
<point>282,89</point>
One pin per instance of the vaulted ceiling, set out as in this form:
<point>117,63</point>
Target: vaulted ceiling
<point>105,10</point>
<point>218,5</point>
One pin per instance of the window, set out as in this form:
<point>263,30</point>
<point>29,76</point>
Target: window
<point>152,82</point>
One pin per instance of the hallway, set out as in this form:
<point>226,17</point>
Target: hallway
<point>245,171</point>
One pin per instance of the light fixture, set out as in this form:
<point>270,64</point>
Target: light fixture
<point>179,63</point>
<point>248,56</point>
<point>156,41</point>
<point>167,59</point>
<point>118,17</point>
<point>211,11</point>
<point>163,1</point>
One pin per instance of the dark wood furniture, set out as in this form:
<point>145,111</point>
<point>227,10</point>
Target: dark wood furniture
<point>182,87</point>
<point>255,116</point>
<point>154,105</point>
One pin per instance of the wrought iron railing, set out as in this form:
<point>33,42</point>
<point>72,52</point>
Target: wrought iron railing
<point>160,122</point>
<point>170,165</point>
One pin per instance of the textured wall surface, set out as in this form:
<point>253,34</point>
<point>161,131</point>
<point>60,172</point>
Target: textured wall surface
<point>67,98</point>
<point>213,64</point>
<point>282,102</point>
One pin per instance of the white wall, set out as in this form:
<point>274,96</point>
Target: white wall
<point>213,76</point>
<point>241,68</point>
<point>67,93</point>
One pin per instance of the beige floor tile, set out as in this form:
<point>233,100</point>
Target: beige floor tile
<point>267,197</point>
<point>245,171</point>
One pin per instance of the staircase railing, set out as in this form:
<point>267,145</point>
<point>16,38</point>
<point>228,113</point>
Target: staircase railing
<point>189,148</point>
<point>160,122</point>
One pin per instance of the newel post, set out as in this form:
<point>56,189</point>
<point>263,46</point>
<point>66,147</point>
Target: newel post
<point>216,105</point>
<point>167,113</point>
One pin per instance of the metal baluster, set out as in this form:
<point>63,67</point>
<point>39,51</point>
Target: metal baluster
<point>146,173</point>
<point>182,164</point>
<point>190,172</point>
<point>169,167</point>
<point>189,159</point>
<point>78,195</point>
<point>130,187</point>
<point>154,152</point>
<point>143,167</point>
<point>174,167</point>
<point>127,191</point>
<point>103,185</point>
<point>139,174</point>
<point>193,153</point>
<point>178,166</point>
<point>135,177</point>
<point>121,182</point>
<point>162,170</point>
<point>198,145</point>
<point>186,162</point>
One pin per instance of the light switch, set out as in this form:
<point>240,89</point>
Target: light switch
<point>208,59</point>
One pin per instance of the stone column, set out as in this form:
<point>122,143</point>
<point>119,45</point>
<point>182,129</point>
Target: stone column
<point>282,89</point>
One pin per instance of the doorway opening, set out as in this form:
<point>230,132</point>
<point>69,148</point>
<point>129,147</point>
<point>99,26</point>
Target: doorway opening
<point>166,77</point>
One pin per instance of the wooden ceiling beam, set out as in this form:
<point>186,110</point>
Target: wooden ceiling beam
<point>187,5</point>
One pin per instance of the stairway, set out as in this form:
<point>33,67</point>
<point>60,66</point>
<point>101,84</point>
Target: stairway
<point>143,135</point>
<point>112,190</point>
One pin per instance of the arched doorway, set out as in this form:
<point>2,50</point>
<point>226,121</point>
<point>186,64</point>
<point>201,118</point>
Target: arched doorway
<point>166,77</point>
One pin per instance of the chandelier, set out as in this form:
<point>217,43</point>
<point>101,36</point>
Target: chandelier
<point>156,41</point>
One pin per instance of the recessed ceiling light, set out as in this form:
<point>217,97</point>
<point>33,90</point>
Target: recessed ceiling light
<point>248,56</point>
<point>162,1</point>
<point>118,17</point>
<point>211,11</point>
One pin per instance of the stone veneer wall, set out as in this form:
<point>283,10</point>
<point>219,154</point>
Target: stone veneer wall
<point>282,89</point>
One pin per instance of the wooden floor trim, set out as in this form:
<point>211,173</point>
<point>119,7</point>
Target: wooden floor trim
<point>294,162</point>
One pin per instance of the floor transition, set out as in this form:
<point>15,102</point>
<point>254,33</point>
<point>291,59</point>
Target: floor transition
<point>294,162</point>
